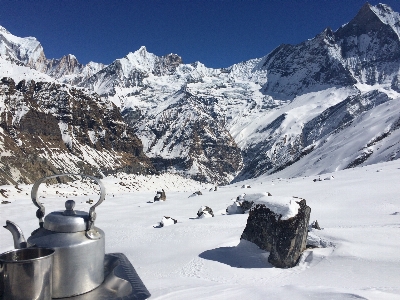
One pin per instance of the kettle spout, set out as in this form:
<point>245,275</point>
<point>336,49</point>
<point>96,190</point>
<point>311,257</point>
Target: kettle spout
<point>18,236</point>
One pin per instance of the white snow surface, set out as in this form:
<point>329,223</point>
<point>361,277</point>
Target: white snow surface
<point>387,16</point>
<point>359,212</point>
<point>18,73</point>
<point>29,49</point>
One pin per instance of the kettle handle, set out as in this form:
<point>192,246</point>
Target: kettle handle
<point>41,211</point>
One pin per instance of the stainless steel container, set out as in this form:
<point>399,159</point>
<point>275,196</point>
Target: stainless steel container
<point>78,261</point>
<point>26,274</point>
<point>80,248</point>
<point>79,245</point>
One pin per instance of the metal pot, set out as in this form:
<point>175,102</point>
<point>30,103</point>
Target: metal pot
<point>30,268</point>
<point>78,265</point>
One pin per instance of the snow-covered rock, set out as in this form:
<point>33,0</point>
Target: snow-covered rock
<point>278,225</point>
<point>235,208</point>
<point>167,221</point>
<point>205,212</point>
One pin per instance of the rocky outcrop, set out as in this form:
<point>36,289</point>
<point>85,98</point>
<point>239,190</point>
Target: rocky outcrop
<point>187,136</point>
<point>370,44</point>
<point>290,238</point>
<point>312,65</point>
<point>166,65</point>
<point>235,208</point>
<point>160,196</point>
<point>47,128</point>
<point>205,212</point>
<point>341,115</point>
<point>197,193</point>
<point>285,239</point>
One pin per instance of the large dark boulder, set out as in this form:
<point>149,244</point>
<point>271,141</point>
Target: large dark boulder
<point>285,239</point>
<point>290,238</point>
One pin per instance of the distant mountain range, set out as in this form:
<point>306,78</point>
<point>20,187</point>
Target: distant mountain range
<point>329,103</point>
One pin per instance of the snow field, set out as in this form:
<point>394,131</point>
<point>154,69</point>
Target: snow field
<point>205,259</point>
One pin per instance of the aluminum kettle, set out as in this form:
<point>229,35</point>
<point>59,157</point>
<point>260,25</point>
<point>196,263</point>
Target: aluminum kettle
<point>78,265</point>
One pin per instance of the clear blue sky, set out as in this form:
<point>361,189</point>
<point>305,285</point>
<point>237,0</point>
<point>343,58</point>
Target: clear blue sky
<point>217,33</point>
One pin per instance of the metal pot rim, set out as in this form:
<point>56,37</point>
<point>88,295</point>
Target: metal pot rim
<point>50,252</point>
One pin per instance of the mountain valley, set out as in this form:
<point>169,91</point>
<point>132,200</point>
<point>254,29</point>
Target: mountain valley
<point>326,104</point>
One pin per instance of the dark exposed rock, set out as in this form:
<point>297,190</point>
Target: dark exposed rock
<point>51,129</point>
<point>360,159</point>
<point>285,239</point>
<point>246,205</point>
<point>3,193</point>
<point>315,225</point>
<point>195,194</point>
<point>239,207</point>
<point>160,196</point>
<point>167,64</point>
<point>131,116</point>
<point>260,227</point>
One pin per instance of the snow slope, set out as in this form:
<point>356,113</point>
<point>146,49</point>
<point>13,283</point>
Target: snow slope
<point>25,50</point>
<point>18,73</point>
<point>358,209</point>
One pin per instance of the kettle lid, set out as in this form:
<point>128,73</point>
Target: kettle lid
<point>69,220</point>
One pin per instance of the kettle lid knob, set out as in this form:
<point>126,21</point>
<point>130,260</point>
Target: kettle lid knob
<point>69,208</point>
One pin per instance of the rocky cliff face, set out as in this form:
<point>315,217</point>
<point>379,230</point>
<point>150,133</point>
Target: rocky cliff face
<point>370,45</point>
<point>310,66</point>
<point>188,137</point>
<point>48,128</point>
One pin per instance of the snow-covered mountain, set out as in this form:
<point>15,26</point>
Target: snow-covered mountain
<point>300,104</point>
<point>29,52</point>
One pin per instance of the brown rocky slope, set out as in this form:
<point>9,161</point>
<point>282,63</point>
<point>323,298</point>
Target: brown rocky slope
<point>48,128</point>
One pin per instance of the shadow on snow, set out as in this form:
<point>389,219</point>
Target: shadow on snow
<point>244,255</point>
